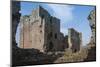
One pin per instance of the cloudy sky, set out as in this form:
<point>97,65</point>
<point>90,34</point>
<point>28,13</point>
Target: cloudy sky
<point>71,16</point>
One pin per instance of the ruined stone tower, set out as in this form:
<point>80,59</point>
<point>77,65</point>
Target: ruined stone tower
<point>41,31</point>
<point>74,39</point>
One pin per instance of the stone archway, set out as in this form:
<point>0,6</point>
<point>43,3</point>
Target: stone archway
<point>15,20</point>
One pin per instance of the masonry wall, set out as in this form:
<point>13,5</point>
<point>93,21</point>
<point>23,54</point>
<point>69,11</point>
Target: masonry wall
<point>74,39</point>
<point>92,23</point>
<point>25,32</point>
<point>15,20</point>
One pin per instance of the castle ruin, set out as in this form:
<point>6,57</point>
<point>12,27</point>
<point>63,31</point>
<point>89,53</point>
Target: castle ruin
<point>30,31</point>
<point>74,39</point>
<point>41,31</point>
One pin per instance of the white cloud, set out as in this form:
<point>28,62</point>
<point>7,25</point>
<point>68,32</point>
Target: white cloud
<point>64,13</point>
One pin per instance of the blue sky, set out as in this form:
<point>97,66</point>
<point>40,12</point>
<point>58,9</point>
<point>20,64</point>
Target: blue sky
<point>71,16</point>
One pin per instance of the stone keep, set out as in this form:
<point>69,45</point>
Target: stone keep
<point>41,31</point>
<point>74,39</point>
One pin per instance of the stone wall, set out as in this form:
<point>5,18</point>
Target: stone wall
<point>25,32</point>
<point>92,44</point>
<point>66,42</point>
<point>92,22</point>
<point>15,19</point>
<point>74,39</point>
